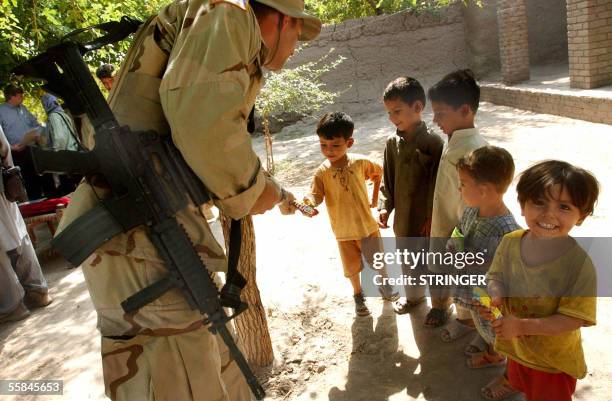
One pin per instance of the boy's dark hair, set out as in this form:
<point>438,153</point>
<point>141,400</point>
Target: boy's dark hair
<point>105,71</point>
<point>456,89</point>
<point>11,90</point>
<point>335,125</point>
<point>537,181</point>
<point>407,89</point>
<point>489,164</point>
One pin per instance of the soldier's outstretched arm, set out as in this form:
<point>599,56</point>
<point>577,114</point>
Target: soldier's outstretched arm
<point>269,197</point>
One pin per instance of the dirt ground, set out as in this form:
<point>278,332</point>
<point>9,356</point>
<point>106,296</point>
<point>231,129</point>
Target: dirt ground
<point>322,351</point>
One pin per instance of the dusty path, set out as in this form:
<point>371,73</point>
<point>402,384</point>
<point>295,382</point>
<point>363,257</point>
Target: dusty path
<point>323,352</point>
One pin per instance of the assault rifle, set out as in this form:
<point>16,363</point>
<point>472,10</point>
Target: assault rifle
<point>149,183</point>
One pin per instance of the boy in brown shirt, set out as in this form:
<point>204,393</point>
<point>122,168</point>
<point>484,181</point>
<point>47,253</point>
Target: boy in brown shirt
<point>411,161</point>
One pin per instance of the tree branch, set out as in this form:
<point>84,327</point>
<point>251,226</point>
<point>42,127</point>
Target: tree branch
<point>376,9</point>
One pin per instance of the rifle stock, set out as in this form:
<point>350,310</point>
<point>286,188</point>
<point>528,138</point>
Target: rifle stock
<point>63,161</point>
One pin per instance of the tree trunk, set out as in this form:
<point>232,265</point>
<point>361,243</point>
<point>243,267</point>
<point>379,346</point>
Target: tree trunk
<point>251,325</point>
<point>268,139</point>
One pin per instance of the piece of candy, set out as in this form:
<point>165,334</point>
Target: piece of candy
<point>305,209</point>
<point>484,299</point>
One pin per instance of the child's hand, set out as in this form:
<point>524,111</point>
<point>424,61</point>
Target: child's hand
<point>383,218</point>
<point>307,201</point>
<point>485,312</point>
<point>18,147</point>
<point>426,229</point>
<point>508,327</point>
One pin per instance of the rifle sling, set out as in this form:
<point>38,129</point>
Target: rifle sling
<point>235,282</point>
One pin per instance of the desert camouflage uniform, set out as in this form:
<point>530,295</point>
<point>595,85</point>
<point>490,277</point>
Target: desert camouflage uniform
<point>201,62</point>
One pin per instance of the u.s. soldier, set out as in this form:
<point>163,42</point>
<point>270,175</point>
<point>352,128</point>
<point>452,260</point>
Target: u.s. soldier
<point>193,71</point>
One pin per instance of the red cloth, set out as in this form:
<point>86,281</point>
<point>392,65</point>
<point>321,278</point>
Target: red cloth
<point>540,386</point>
<point>36,208</point>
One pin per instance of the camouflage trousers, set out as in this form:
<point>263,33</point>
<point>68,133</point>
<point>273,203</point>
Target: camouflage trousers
<point>193,366</point>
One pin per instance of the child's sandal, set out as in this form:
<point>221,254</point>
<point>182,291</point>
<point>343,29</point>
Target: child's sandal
<point>485,360</point>
<point>437,317</point>
<point>454,330</point>
<point>498,390</point>
<point>388,293</point>
<point>477,346</point>
<point>403,305</point>
<point>361,308</point>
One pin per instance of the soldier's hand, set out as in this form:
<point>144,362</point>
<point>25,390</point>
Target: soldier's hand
<point>287,206</point>
<point>270,196</point>
<point>18,147</point>
<point>383,218</point>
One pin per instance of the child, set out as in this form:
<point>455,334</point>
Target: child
<point>454,101</point>
<point>545,283</point>
<point>340,180</point>
<point>410,165</point>
<point>484,176</point>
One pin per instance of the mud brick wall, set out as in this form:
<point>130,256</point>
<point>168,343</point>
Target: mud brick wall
<point>590,42</point>
<point>379,49</point>
<point>595,109</point>
<point>513,41</point>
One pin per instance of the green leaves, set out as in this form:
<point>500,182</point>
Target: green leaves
<point>299,89</point>
<point>334,11</point>
<point>28,27</point>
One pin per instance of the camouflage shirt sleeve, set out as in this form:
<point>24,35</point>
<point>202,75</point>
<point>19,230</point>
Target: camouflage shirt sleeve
<point>205,93</point>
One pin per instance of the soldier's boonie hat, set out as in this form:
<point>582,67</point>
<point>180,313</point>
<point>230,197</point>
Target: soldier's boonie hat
<point>295,9</point>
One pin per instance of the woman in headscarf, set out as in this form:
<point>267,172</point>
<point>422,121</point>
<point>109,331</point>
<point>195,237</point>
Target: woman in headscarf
<point>60,134</point>
<point>60,131</point>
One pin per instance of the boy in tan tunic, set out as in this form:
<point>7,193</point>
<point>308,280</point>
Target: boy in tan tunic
<point>341,182</point>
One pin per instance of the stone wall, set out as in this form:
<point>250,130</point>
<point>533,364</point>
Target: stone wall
<point>379,49</point>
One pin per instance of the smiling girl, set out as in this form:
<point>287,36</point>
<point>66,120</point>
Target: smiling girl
<point>546,283</point>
